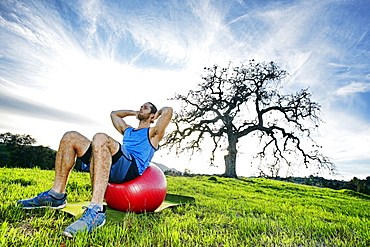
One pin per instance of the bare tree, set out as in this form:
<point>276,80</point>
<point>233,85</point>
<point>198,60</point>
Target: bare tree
<point>234,102</point>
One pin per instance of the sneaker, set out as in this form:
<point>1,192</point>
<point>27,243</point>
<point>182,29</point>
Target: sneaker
<point>91,219</point>
<point>44,200</point>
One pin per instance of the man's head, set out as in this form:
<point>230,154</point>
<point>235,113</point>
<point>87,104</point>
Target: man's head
<point>152,106</point>
<point>147,111</point>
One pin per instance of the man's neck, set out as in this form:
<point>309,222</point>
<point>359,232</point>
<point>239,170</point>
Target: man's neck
<point>143,124</point>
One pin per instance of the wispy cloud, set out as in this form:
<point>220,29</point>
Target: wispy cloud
<point>354,87</point>
<point>17,106</point>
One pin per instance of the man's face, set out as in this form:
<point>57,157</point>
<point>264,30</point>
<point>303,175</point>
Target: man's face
<point>144,112</point>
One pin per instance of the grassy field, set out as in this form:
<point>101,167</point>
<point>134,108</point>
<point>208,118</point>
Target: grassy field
<point>228,212</point>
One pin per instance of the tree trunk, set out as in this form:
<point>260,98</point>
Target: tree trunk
<point>230,158</point>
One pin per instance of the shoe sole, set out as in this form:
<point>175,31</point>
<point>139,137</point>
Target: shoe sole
<point>58,207</point>
<point>69,235</point>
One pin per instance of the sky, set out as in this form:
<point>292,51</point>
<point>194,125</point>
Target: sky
<point>66,64</point>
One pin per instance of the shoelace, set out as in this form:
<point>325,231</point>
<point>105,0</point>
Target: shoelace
<point>45,193</point>
<point>89,215</point>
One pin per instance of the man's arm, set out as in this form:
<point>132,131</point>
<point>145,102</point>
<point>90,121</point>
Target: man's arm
<point>164,117</point>
<point>117,119</point>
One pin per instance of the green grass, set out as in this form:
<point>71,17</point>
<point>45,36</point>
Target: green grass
<point>228,212</point>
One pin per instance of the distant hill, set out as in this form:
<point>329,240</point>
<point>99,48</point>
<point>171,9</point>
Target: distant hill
<point>358,185</point>
<point>165,168</point>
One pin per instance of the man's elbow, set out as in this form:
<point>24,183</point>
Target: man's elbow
<point>169,111</point>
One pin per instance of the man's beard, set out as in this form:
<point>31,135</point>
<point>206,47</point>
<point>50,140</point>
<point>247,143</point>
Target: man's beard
<point>141,117</point>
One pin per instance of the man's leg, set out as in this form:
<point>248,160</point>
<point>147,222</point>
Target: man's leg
<point>104,147</point>
<point>71,144</point>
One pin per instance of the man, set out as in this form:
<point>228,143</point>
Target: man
<point>107,160</point>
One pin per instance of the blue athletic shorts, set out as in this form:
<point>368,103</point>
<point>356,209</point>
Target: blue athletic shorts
<point>123,168</point>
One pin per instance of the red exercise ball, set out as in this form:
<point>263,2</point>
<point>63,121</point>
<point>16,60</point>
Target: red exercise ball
<point>143,194</point>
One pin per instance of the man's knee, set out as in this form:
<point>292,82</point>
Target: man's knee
<point>70,136</point>
<point>100,139</point>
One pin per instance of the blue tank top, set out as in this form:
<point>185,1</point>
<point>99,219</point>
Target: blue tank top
<point>137,143</point>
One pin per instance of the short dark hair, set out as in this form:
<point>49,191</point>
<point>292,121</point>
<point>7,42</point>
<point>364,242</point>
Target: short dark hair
<point>153,108</point>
